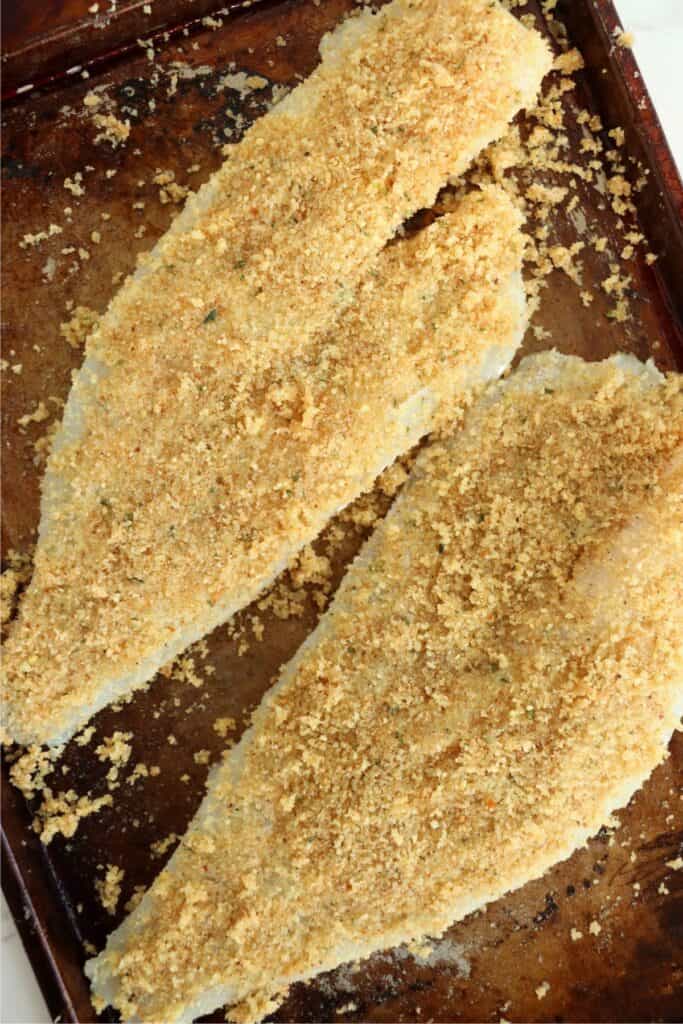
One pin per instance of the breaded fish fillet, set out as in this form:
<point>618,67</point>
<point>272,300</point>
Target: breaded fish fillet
<point>501,668</point>
<point>194,459</point>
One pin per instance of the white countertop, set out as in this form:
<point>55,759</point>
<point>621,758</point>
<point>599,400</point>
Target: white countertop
<point>658,29</point>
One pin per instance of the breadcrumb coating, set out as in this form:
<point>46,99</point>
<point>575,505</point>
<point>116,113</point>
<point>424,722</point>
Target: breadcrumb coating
<point>201,377</point>
<point>198,481</point>
<point>500,669</point>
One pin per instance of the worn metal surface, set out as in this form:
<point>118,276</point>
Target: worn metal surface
<point>490,965</point>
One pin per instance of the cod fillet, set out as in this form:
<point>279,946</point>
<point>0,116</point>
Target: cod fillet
<point>168,500</point>
<point>501,668</point>
<point>174,531</point>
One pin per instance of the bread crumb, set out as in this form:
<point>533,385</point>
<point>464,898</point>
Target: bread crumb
<point>140,771</point>
<point>569,62</point>
<point>159,848</point>
<point>135,899</point>
<point>84,737</point>
<point>17,573</point>
<point>224,725</point>
<point>542,990</point>
<point>170,191</point>
<point>9,585</point>
<point>594,928</point>
<point>29,772</point>
<point>62,813</point>
<point>74,186</point>
<point>39,414</point>
<point>77,329</point>
<point>31,240</point>
<point>117,750</point>
<point>109,888</point>
<point>576,934</point>
<point>112,129</point>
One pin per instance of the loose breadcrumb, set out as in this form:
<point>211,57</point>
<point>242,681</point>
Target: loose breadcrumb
<point>109,888</point>
<point>30,771</point>
<point>74,185</point>
<point>161,846</point>
<point>80,325</point>
<point>61,813</point>
<point>170,191</point>
<point>135,899</point>
<point>13,578</point>
<point>116,749</point>
<point>39,414</point>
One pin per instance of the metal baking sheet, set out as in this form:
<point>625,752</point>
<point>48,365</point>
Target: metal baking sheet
<point>181,111</point>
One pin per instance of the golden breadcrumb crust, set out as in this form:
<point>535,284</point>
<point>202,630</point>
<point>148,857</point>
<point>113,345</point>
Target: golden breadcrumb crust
<point>217,478</point>
<point>500,669</point>
<point>185,477</point>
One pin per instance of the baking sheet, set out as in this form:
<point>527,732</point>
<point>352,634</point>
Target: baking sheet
<point>182,108</point>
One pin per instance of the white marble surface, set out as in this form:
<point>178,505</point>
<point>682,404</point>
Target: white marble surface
<point>658,29</point>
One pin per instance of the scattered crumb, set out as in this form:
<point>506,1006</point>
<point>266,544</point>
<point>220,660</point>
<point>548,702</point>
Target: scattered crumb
<point>109,888</point>
<point>224,725</point>
<point>29,772</point>
<point>136,898</point>
<point>117,749</point>
<point>140,771</point>
<point>61,813</point>
<point>74,186</point>
<point>39,414</point>
<point>542,990</point>
<point>170,191</point>
<point>159,848</point>
<point>112,129</point>
<point>17,573</point>
<point>79,326</point>
<point>31,240</point>
<point>84,737</point>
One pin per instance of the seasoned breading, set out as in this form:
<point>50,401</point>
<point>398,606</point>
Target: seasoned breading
<point>501,668</point>
<point>195,454</point>
<point>181,513</point>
